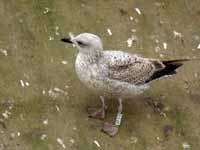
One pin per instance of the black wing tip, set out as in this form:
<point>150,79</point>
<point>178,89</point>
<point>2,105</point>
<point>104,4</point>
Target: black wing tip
<point>66,40</point>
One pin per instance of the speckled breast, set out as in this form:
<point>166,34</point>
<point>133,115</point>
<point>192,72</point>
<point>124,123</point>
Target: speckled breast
<point>87,72</point>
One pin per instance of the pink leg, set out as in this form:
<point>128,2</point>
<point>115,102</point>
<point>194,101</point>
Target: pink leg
<point>98,113</point>
<point>112,129</point>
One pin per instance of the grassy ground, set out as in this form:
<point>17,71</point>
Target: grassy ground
<point>42,100</point>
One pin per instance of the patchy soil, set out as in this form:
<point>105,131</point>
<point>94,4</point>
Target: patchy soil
<point>43,104</point>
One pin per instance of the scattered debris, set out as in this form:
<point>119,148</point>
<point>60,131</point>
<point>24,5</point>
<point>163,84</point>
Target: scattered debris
<point>56,92</point>
<point>22,83</point>
<point>74,128</point>
<point>156,41</point>
<point>21,20</point>
<point>161,22</point>
<point>130,40</point>
<point>165,45</point>
<point>22,117</point>
<point>157,49</point>
<point>64,62</point>
<point>27,84</point>
<point>60,90</point>
<point>57,108</point>
<point>60,141</point>
<point>46,10</point>
<point>177,34</point>
<point>167,130</point>
<point>185,145</point>
<point>131,18</point>
<point>82,5</point>
<point>133,30</point>
<point>72,141</point>
<point>18,133</point>
<point>97,143</point>
<point>161,56</point>
<point>43,137</point>
<point>158,138</point>
<point>52,93</point>
<point>136,20</point>
<point>134,139</point>
<point>43,92</point>
<point>196,75</point>
<point>2,147</point>
<point>51,38</point>
<point>5,53</point>
<point>6,114</point>
<point>138,11</point>
<point>45,122</point>
<point>198,47</point>
<point>56,32</point>
<point>12,135</point>
<point>66,86</point>
<point>109,31</point>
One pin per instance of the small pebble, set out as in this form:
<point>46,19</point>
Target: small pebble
<point>5,53</point>
<point>45,122</point>
<point>51,38</point>
<point>156,41</point>
<point>57,108</point>
<point>97,143</point>
<point>198,47</point>
<point>161,56</point>
<point>46,10</point>
<point>27,84</point>
<point>43,137</point>
<point>18,133</point>
<point>75,128</point>
<point>12,135</point>
<point>6,114</point>
<point>72,141</point>
<point>177,34</point>
<point>165,45</point>
<point>60,141</point>
<point>138,11</point>
<point>195,75</point>
<point>185,145</point>
<point>22,83</point>
<point>157,49</point>
<point>131,18</point>
<point>109,31</point>
<point>43,92</point>
<point>131,40</point>
<point>134,139</point>
<point>64,62</point>
<point>56,32</point>
<point>133,30</point>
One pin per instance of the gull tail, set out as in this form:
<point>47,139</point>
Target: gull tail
<point>170,67</point>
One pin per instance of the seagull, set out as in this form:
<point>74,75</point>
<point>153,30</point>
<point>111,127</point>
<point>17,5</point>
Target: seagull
<point>114,73</point>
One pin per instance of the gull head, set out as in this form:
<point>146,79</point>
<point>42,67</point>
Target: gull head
<point>85,42</point>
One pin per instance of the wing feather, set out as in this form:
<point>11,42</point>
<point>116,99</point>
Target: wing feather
<point>130,68</point>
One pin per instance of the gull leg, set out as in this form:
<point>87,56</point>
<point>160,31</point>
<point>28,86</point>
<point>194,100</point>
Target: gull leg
<point>98,113</point>
<point>112,129</point>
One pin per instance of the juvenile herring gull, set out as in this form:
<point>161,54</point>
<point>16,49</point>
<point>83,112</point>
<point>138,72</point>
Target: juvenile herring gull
<point>115,73</point>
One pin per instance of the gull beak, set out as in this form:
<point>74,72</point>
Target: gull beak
<point>67,40</point>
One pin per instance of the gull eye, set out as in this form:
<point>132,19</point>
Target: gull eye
<point>80,43</point>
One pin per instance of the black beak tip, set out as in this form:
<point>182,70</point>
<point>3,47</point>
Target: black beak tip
<point>67,40</point>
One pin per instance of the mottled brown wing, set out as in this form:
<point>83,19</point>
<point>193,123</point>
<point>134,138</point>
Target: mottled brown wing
<point>131,68</point>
